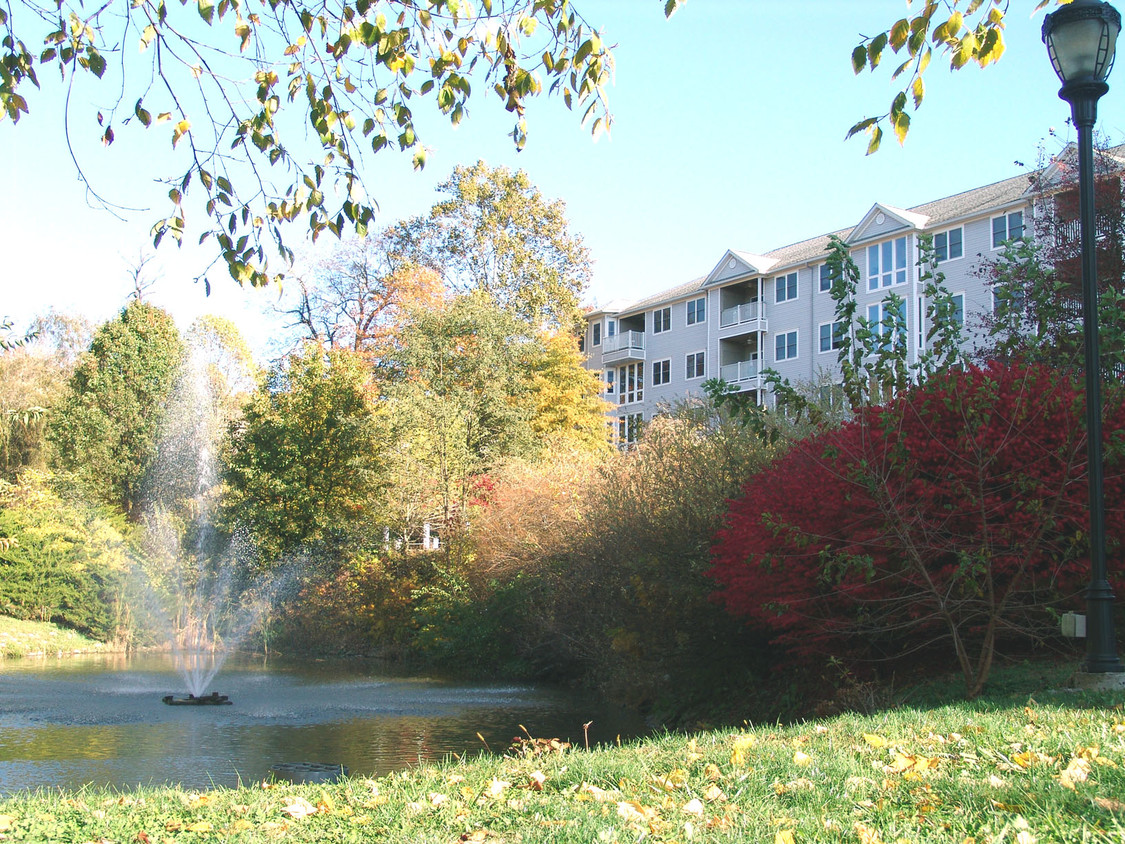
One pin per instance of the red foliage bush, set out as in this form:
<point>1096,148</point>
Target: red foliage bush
<point>949,515</point>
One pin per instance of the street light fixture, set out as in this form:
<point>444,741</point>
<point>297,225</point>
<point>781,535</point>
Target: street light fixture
<point>1081,39</point>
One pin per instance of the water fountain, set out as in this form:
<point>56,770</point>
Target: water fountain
<point>211,600</point>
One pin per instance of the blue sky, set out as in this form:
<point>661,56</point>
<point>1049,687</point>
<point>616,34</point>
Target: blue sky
<point>729,133</point>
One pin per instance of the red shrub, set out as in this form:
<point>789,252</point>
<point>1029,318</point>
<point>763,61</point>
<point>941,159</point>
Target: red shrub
<point>951,513</point>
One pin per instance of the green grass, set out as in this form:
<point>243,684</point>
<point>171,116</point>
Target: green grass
<point>37,638</point>
<point>1013,767</point>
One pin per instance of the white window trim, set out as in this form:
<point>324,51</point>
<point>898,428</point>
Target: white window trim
<point>992,219</point>
<point>652,372</point>
<point>797,356</point>
<point>595,334</point>
<point>667,323</point>
<point>796,296</point>
<point>703,321</point>
<point>819,326</point>
<point>946,232</point>
<point>691,354</point>
<point>906,267</point>
<point>820,289</point>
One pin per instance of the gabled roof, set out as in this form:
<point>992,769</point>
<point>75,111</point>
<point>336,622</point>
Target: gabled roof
<point>876,218</point>
<point>735,264</point>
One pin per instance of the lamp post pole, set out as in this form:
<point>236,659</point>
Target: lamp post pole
<point>1095,26</point>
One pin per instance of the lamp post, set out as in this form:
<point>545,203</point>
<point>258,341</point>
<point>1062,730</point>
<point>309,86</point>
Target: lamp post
<point>1081,38</point>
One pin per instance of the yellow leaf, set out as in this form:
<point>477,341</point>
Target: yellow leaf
<point>199,826</point>
<point>867,835</point>
<point>240,825</point>
<point>6,822</point>
<point>633,812</point>
<point>784,836</point>
<point>713,793</point>
<point>801,758</point>
<point>1077,771</point>
<point>1109,804</point>
<point>711,771</point>
<point>672,780</point>
<point>694,807</point>
<point>874,740</point>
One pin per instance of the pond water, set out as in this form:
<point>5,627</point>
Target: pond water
<point>100,720</point>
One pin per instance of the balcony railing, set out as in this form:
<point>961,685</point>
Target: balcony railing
<point>628,345</point>
<point>743,370</point>
<point>740,314</point>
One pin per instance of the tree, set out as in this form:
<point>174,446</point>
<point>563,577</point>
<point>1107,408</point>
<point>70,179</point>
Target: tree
<point>106,428</point>
<point>948,520</point>
<point>966,31</point>
<point>357,296</point>
<point>569,408</point>
<point>306,461</point>
<point>1036,282</point>
<point>498,235</point>
<point>235,105</point>
<point>460,400</point>
<point>232,85</point>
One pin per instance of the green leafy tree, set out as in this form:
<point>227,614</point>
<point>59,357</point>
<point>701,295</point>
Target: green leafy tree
<point>106,428</point>
<point>306,459</point>
<point>496,233</point>
<point>461,401</point>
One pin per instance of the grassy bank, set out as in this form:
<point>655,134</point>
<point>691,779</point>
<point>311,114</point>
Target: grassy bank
<point>1010,768</point>
<point>36,638</point>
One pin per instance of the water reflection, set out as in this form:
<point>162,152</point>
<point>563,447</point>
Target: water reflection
<point>78,720</point>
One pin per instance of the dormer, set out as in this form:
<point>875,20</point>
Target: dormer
<point>885,221</point>
<point>736,265</point>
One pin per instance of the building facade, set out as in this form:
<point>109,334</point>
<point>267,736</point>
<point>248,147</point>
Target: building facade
<point>755,312</point>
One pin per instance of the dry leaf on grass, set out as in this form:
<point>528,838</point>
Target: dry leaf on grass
<point>298,808</point>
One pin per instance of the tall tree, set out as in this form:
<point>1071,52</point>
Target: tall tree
<point>106,429</point>
<point>356,296</point>
<point>461,399</point>
<point>306,459</point>
<point>496,233</point>
<point>569,408</point>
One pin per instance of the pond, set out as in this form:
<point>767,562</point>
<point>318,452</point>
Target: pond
<point>99,720</point>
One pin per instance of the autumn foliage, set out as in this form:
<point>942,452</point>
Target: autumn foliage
<point>945,521</point>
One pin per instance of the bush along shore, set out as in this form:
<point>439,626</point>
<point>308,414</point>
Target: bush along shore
<point>1010,767</point>
<point>19,638</point>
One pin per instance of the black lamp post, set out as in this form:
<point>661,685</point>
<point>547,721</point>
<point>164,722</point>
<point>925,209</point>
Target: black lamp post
<point>1081,38</point>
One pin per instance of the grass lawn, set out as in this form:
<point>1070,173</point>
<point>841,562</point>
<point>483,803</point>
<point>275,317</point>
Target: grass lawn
<point>37,638</point>
<point>1020,767</point>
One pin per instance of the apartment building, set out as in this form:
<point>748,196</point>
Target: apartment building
<point>754,312</point>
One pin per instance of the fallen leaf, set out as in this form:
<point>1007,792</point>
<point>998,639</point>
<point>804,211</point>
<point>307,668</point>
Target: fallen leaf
<point>801,758</point>
<point>199,826</point>
<point>299,808</point>
<point>713,793</point>
<point>711,771</point>
<point>475,835</point>
<point>784,836</point>
<point>694,807</point>
<point>437,799</point>
<point>633,812</point>
<point>874,740</point>
<point>867,835</point>
<point>496,788</point>
<point>535,780</point>
<point>1077,771</point>
<point>1109,804</point>
<point>6,822</point>
<point>671,781</point>
<point>240,825</point>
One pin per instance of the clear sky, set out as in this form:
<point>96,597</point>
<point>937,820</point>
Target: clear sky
<point>729,133</point>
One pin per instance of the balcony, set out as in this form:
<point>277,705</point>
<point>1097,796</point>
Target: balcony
<point>746,318</point>
<point>743,374</point>
<point>623,347</point>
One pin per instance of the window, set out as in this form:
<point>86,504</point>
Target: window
<point>825,278</point>
<point>949,246</point>
<point>609,373</point>
<point>958,309</point>
<point>631,383</point>
<point>582,343</point>
<point>696,311</point>
<point>695,365</point>
<point>597,333</point>
<point>611,324</point>
<point>831,336</point>
<point>886,264</point>
<point>786,287</point>
<point>785,346</point>
<point>661,320</point>
<point>1006,227</point>
<point>879,315</point>
<point>629,428</point>
<point>661,372</point>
